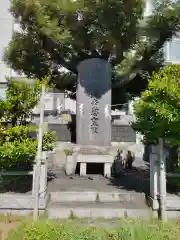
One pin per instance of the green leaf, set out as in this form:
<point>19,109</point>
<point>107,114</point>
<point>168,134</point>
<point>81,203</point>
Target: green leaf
<point>158,110</point>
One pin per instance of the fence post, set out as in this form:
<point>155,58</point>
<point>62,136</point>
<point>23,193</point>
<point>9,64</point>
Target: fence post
<point>154,177</point>
<point>162,182</point>
<point>39,156</point>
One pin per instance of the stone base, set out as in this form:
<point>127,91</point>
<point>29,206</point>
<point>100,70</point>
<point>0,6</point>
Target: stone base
<point>172,203</point>
<point>107,160</point>
<point>21,202</point>
<point>173,208</point>
<point>153,203</point>
<point>94,154</point>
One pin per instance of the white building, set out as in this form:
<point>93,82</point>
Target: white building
<point>7,26</point>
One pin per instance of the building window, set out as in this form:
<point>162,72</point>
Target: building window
<point>150,6</point>
<point>2,92</point>
<point>172,51</point>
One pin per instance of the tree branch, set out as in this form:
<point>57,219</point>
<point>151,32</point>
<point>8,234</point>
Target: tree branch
<point>160,28</point>
<point>55,51</point>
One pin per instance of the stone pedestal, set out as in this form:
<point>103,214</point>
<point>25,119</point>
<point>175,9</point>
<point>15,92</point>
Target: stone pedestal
<point>93,111</point>
<point>90,154</point>
<point>107,169</point>
<point>83,167</point>
<point>71,165</point>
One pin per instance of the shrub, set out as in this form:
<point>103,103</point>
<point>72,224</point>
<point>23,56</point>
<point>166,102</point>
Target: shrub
<point>17,133</point>
<point>17,149</point>
<point>128,230</point>
<point>17,153</point>
<point>49,140</point>
<point>68,152</point>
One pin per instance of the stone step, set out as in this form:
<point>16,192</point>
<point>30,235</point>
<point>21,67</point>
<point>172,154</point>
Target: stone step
<point>97,210</point>
<point>95,196</point>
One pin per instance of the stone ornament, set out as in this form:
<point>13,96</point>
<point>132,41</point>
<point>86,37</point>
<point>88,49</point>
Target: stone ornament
<point>107,112</point>
<point>59,106</point>
<point>81,109</point>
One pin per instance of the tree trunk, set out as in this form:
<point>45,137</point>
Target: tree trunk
<point>93,110</point>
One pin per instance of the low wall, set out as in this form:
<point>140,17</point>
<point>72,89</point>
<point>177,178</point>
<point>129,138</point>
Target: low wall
<point>123,133</point>
<point>67,133</point>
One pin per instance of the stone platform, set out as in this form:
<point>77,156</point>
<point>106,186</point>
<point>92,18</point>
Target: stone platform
<point>94,196</point>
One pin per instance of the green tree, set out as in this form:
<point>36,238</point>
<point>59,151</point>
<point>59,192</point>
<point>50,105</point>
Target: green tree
<point>17,145</point>
<point>21,98</point>
<point>158,110</point>
<point>58,33</point>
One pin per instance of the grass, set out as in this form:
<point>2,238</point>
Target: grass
<point>22,227</point>
<point>9,222</point>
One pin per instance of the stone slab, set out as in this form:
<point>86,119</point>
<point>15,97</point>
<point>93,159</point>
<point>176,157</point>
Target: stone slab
<point>91,150</point>
<point>95,158</point>
<point>21,201</point>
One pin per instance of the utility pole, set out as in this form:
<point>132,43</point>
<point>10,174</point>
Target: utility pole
<point>39,156</point>
<point>162,182</point>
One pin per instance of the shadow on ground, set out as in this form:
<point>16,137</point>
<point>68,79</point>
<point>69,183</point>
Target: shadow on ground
<point>16,184</point>
<point>137,179</point>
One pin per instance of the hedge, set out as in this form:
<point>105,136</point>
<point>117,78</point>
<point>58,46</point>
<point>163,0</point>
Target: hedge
<point>128,230</point>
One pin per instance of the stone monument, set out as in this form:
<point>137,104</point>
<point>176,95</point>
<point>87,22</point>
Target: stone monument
<point>93,111</point>
<point>93,115</point>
